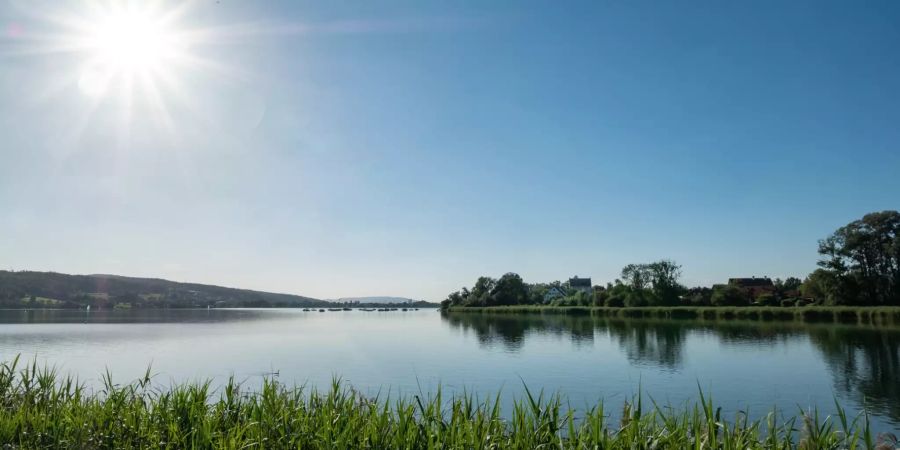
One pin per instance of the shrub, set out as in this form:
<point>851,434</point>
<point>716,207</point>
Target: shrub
<point>729,296</point>
<point>766,300</point>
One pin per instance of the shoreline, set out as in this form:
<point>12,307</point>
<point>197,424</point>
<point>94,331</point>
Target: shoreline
<point>860,315</point>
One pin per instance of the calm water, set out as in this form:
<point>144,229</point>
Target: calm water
<point>755,366</point>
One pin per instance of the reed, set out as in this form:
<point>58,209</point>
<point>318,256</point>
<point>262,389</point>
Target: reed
<point>40,409</point>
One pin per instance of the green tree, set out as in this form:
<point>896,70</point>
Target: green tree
<point>818,285</point>
<point>766,300</point>
<point>728,295</point>
<point>509,290</point>
<point>481,292</point>
<point>636,275</point>
<point>863,257</point>
<point>664,275</point>
<point>699,296</point>
<point>655,283</point>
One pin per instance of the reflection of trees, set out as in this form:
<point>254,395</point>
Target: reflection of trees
<point>510,330</point>
<point>865,364</point>
<point>655,343</point>
<point>647,342</point>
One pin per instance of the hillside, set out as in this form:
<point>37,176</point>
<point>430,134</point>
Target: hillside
<point>56,290</point>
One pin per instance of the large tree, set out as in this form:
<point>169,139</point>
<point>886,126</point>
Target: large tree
<point>863,257</point>
<point>655,283</point>
<point>509,290</point>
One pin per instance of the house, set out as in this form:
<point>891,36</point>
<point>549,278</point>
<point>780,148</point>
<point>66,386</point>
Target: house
<point>554,293</point>
<point>754,287</point>
<point>581,284</point>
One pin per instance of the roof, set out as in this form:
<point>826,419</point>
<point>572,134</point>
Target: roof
<point>750,282</point>
<point>579,282</point>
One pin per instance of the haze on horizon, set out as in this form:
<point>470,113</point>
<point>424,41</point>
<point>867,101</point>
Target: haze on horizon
<point>337,150</point>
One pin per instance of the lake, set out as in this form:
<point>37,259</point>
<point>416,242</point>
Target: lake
<point>744,366</point>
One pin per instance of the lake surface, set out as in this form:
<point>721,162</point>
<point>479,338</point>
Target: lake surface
<point>743,365</point>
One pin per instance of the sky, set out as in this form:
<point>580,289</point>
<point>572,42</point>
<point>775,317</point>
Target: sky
<point>336,149</point>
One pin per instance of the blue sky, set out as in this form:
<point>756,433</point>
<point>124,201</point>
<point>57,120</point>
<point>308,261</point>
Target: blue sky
<point>405,148</point>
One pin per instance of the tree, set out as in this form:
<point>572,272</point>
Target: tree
<point>664,276</point>
<point>481,292</point>
<point>728,295</point>
<point>787,285</point>
<point>636,275</point>
<point>699,296</point>
<point>817,286</point>
<point>863,257</point>
<point>509,290</point>
<point>655,283</point>
<point>766,300</point>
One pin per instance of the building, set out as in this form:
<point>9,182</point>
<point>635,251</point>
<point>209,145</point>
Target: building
<point>554,293</point>
<point>754,287</point>
<point>581,284</point>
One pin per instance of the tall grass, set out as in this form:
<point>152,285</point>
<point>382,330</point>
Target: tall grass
<point>887,315</point>
<point>41,409</point>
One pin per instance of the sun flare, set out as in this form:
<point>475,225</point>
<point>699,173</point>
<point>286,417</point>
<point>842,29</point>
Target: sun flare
<point>123,44</point>
<point>132,42</point>
<point>143,64</point>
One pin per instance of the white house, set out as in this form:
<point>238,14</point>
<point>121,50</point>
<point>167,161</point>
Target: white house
<point>554,293</point>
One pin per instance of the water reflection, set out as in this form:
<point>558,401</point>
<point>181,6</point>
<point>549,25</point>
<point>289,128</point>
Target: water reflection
<point>659,344</point>
<point>32,316</point>
<point>864,362</point>
<point>510,330</point>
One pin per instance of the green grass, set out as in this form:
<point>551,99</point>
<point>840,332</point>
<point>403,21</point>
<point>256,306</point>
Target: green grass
<point>40,409</point>
<point>888,315</point>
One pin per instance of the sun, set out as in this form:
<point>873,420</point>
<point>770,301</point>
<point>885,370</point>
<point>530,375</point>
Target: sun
<point>132,41</point>
<point>127,43</point>
<point>129,64</point>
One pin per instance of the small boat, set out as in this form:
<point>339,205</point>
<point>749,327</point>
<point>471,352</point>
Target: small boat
<point>347,309</point>
<point>321,310</point>
<point>404,309</point>
<point>306,309</point>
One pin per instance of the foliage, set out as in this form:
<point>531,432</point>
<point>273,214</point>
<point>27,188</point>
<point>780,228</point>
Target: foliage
<point>43,410</point>
<point>653,284</point>
<point>729,295</point>
<point>508,290</point>
<point>862,259</point>
<point>767,300</point>
<point>578,298</point>
<point>788,285</point>
<point>699,296</point>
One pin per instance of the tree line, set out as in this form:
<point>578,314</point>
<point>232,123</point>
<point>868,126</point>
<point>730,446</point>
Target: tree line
<point>859,265</point>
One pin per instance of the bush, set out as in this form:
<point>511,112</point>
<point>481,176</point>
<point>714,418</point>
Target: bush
<point>729,296</point>
<point>766,300</point>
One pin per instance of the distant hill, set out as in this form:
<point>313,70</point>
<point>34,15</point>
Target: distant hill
<point>57,290</point>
